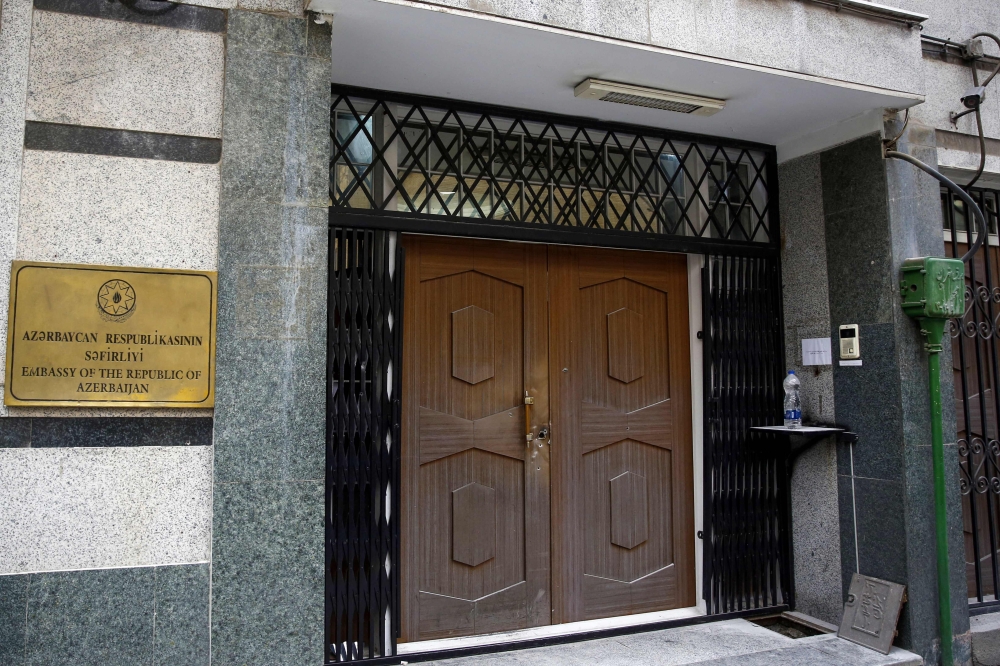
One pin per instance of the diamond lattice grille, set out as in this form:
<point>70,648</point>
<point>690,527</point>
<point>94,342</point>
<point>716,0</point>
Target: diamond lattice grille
<point>421,158</point>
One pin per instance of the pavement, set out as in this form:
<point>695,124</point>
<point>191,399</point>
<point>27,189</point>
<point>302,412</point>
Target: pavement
<point>985,639</point>
<point>726,643</point>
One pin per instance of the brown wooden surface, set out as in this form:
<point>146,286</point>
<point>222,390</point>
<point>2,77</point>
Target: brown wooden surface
<point>608,353</point>
<point>475,524</point>
<point>620,409</point>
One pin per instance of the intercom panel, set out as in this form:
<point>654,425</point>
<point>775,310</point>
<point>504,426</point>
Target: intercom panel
<point>850,347</point>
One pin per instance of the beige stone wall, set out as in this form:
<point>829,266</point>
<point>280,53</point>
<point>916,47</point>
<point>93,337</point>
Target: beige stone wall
<point>791,35</point>
<point>79,503</point>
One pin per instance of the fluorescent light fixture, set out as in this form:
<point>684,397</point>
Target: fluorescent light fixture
<point>623,93</point>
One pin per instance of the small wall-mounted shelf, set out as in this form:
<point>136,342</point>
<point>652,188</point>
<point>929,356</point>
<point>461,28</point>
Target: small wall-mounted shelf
<point>803,430</point>
<point>811,434</point>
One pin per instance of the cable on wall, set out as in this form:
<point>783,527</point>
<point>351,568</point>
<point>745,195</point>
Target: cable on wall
<point>974,100</point>
<point>148,11</point>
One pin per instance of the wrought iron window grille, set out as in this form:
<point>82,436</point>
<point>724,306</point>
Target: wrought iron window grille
<point>975,352</point>
<point>414,157</point>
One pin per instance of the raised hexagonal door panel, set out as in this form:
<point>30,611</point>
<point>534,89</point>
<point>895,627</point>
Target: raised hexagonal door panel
<point>629,510</point>
<point>474,524</point>
<point>472,344</point>
<point>625,357</point>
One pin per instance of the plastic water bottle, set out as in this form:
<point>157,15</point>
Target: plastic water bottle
<point>793,404</point>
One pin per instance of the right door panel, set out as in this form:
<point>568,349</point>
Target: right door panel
<point>621,449</point>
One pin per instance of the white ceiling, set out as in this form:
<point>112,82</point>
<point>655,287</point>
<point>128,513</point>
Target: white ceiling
<point>406,47</point>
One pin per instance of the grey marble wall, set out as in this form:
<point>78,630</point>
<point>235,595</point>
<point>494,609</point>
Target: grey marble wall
<point>106,617</point>
<point>948,79</point>
<point>125,75</point>
<point>800,36</point>
<point>268,553</point>
<point>15,46</point>
<point>804,277</point>
<point>123,71</point>
<point>878,213</point>
<point>916,223</point>
<point>87,508</point>
<point>815,509</point>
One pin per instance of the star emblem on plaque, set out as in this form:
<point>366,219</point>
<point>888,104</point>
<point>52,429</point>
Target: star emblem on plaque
<point>116,298</point>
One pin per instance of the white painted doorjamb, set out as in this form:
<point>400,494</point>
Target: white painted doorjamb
<point>548,631</point>
<point>694,266</point>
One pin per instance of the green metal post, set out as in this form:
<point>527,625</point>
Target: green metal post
<point>933,329</point>
<point>933,291</point>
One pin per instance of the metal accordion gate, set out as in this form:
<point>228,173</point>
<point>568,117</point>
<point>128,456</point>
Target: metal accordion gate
<point>747,560</point>
<point>976,367</point>
<point>362,443</point>
<point>403,163</point>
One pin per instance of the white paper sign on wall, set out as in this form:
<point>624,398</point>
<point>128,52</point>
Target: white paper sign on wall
<point>816,351</point>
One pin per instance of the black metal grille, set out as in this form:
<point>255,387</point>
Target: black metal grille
<point>362,455</point>
<point>976,363</point>
<point>406,163</point>
<point>747,545</point>
<point>409,157</point>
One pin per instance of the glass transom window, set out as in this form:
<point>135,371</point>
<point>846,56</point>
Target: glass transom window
<point>417,158</point>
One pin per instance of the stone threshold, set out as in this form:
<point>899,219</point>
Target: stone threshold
<point>725,643</point>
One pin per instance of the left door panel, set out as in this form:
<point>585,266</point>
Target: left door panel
<point>475,489</point>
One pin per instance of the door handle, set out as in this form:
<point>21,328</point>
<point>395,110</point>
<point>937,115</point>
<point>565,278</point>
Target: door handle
<point>528,402</point>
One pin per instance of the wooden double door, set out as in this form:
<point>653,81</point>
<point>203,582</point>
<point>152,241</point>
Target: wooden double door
<point>578,505</point>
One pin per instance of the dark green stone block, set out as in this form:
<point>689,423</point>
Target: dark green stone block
<point>267,584</point>
<point>13,611</point>
<point>182,615</point>
<point>99,618</point>
<point>268,33</point>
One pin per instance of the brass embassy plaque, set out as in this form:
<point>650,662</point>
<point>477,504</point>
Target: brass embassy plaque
<point>102,336</point>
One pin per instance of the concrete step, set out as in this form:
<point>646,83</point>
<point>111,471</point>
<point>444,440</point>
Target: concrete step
<point>727,643</point>
<point>985,639</point>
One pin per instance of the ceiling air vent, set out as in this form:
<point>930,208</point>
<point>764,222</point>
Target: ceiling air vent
<point>622,93</point>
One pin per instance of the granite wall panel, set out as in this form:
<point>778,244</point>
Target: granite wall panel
<point>916,223</point>
<point>880,454</point>
<point>101,73</point>
<point>102,617</point>
<point>55,137</point>
<point>816,521</point>
<point>187,16</point>
<point>181,609</point>
<point>268,550</point>
<point>267,575</point>
<point>800,37</point>
<point>100,65</point>
<point>118,211</point>
<point>877,214</point>
<point>13,618</point>
<point>106,617</point>
<point>805,280</point>
<point>81,508</point>
<point>15,46</point>
<point>40,431</point>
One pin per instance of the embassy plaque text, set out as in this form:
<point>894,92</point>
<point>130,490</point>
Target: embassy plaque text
<point>81,335</point>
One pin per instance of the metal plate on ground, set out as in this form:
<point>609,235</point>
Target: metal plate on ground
<point>871,612</point>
